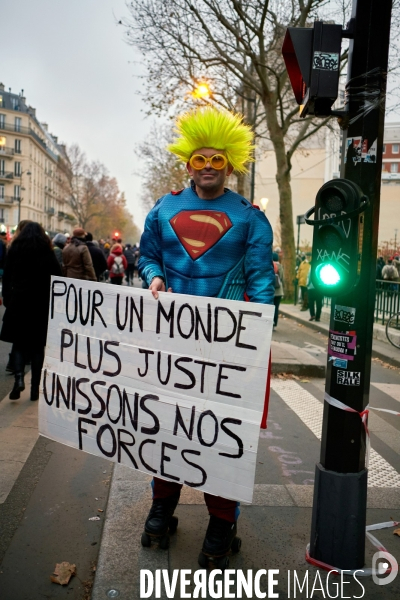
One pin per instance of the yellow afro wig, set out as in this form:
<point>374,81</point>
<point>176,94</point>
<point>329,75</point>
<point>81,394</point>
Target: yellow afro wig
<point>212,128</point>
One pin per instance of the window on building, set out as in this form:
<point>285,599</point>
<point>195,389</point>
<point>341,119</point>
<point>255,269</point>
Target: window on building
<point>17,169</point>
<point>18,123</point>
<point>2,193</point>
<point>2,121</point>
<point>395,148</point>
<point>17,191</point>
<point>394,168</point>
<point>384,149</point>
<point>2,167</point>
<point>17,146</point>
<point>14,103</point>
<point>2,215</point>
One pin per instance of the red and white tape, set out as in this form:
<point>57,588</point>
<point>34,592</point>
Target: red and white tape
<point>374,541</point>
<point>360,572</point>
<point>363,415</point>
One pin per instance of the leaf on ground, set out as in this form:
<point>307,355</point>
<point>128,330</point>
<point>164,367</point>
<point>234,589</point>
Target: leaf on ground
<point>63,573</point>
<point>100,510</point>
<point>304,380</point>
<point>396,532</point>
<point>94,519</point>
<point>284,376</point>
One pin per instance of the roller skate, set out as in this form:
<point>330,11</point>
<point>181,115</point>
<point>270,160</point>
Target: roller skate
<point>220,541</point>
<point>160,523</point>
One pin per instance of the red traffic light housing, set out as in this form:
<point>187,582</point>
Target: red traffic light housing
<point>312,58</point>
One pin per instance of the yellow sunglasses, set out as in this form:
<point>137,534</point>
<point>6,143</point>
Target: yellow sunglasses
<point>217,161</point>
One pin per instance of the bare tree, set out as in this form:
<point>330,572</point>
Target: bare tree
<point>236,45</point>
<point>162,172</point>
<point>83,184</point>
<point>93,195</point>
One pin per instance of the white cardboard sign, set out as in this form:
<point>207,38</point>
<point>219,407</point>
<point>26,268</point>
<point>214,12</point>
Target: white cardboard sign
<point>173,387</point>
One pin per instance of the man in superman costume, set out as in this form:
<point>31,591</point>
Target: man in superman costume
<point>206,240</point>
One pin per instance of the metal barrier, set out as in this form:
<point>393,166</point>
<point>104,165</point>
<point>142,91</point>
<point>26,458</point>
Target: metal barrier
<point>387,300</point>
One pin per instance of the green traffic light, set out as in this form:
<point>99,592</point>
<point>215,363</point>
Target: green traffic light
<point>328,274</point>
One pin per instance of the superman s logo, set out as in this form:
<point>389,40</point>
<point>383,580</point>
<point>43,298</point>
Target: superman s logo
<point>200,230</point>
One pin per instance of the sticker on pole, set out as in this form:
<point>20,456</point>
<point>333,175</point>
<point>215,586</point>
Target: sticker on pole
<point>342,345</point>
<point>340,363</point>
<point>173,387</point>
<point>348,377</point>
<point>345,314</point>
<point>326,61</point>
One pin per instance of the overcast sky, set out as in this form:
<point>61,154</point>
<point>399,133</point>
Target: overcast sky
<point>70,59</point>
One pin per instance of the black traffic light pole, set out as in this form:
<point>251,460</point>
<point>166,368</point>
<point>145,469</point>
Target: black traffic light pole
<point>340,493</point>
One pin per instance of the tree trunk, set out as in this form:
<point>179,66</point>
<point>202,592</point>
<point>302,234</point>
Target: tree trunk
<point>243,185</point>
<point>285,199</point>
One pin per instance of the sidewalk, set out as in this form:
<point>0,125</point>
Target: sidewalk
<point>274,530</point>
<point>380,346</point>
<point>287,358</point>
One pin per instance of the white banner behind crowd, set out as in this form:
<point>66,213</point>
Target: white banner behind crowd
<point>173,387</point>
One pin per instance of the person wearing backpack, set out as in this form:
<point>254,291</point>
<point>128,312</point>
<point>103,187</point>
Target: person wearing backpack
<point>390,274</point>
<point>116,264</point>
<point>278,270</point>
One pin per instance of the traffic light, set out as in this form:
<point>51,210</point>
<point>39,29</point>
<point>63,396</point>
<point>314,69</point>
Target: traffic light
<point>337,239</point>
<point>312,58</point>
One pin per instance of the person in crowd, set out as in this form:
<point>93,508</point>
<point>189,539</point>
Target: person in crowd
<point>77,261</point>
<point>129,254</point>
<point>59,241</point>
<point>301,277</point>
<point>10,368</point>
<point>97,255</point>
<point>380,263</point>
<point>278,269</point>
<point>116,264</point>
<point>3,250</point>
<point>28,269</point>
<point>396,262</point>
<point>390,274</point>
<point>106,249</point>
<point>315,299</point>
<point>136,249</point>
<point>228,257</point>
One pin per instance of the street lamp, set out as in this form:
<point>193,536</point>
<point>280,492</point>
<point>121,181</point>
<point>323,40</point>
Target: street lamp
<point>202,91</point>
<point>264,203</point>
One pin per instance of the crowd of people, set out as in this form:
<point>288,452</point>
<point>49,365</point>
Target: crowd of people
<point>27,262</point>
<point>387,273</point>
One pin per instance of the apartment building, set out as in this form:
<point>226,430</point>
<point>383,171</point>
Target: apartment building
<point>30,180</point>
<point>318,161</point>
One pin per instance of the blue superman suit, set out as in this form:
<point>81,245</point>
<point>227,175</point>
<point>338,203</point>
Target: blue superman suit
<point>219,248</point>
